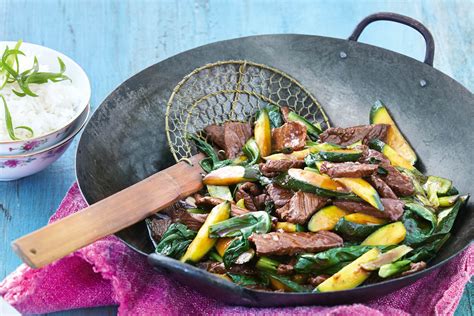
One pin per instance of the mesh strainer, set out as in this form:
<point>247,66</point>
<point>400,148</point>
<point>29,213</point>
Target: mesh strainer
<point>231,90</point>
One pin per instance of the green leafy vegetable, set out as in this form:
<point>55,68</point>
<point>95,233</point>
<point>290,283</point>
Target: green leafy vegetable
<point>390,269</point>
<point>447,216</point>
<point>245,280</point>
<point>322,261</point>
<point>419,222</point>
<point>215,256</point>
<point>212,161</point>
<point>252,151</point>
<point>427,251</point>
<point>253,222</point>
<point>274,115</point>
<point>175,240</point>
<point>434,186</point>
<point>269,267</point>
<point>236,248</point>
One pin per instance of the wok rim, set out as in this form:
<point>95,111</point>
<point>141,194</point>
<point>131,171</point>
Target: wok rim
<point>415,276</point>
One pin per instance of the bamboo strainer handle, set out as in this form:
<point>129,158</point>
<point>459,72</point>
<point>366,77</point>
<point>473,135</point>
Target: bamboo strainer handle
<point>110,215</point>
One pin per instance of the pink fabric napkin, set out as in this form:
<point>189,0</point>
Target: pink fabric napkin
<point>108,272</point>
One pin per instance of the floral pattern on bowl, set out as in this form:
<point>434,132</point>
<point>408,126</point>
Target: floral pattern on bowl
<point>19,166</point>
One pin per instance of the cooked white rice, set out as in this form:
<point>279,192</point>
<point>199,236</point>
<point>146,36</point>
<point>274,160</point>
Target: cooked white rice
<point>56,105</point>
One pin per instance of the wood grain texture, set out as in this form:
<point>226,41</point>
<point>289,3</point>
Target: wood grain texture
<point>112,40</point>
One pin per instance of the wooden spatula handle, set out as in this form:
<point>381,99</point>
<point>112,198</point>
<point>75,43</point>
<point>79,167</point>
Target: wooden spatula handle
<point>110,215</point>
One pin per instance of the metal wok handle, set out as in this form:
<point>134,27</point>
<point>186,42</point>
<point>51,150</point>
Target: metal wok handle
<point>388,16</point>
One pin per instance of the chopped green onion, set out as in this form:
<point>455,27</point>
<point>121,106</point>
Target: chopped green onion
<point>9,123</point>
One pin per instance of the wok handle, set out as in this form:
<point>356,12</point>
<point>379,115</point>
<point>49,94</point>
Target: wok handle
<point>110,215</point>
<point>394,17</point>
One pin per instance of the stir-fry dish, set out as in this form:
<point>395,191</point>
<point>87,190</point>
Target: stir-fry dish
<point>290,207</point>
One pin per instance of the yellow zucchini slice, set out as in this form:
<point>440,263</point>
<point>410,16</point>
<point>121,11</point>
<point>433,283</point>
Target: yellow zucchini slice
<point>363,189</point>
<point>395,158</point>
<point>364,219</point>
<point>202,243</point>
<point>263,133</point>
<point>222,244</point>
<point>326,218</point>
<point>289,227</point>
<point>296,155</point>
<point>228,175</point>
<point>220,191</point>
<point>379,115</point>
<point>351,275</point>
<point>391,234</point>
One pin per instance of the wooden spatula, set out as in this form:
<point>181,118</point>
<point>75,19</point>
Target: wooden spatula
<point>110,215</point>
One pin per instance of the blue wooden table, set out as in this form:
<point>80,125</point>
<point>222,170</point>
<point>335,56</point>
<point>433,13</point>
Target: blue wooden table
<point>113,40</point>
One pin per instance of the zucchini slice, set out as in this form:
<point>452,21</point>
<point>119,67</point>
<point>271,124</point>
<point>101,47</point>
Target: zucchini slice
<point>313,129</point>
<point>296,155</point>
<point>309,181</point>
<point>263,133</point>
<point>202,243</point>
<point>379,115</point>
<point>230,175</point>
<point>326,218</point>
<point>395,158</point>
<point>387,257</point>
<point>289,227</point>
<point>341,155</point>
<point>363,189</point>
<point>351,275</point>
<point>391,234</point>
<point>358,226</point>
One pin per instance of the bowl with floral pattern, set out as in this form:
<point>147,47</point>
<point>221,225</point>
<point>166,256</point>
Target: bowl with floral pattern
<point>47,58</point>
<point>14,167</point>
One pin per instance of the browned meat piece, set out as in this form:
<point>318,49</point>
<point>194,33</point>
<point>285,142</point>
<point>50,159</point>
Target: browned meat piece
<point>347,169</point>
<point>272,168</point>
<point>279,196</point>
<point>179,214</point>
<point>400,184</point>
<point>230,137</point>
<point>372,156</point>
<point>293,243</point>
<point>248,191</point>
<point>216,135</point>
<point>158,226</point>
<point>393,208</point>
<point>236,135</point>
<point>350,135</point>
<point>300,208</point>
<point>415,267</point>
<point>260,201</point>
<point>317,280</point>
<point>209,201</point>
<point>382,188</point>
<point>284,112</point>
<point>219,268</point>
<point>291,135</point>
<point>285,269</point>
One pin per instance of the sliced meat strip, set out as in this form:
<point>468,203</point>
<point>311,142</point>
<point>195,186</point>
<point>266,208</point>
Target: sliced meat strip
<point>348,169</point>
<point>215,134</point>
<point>219,268</point>
<point>285,269</point>
<point>280,244</point>
<point>278,195</point>
<point>158,225</point>
<point>284,112</point>
<point>382,188</point>
<point>272,168</point>
<point>393,208</point>
<point>209,201</point>
<point>400,184</point>
<point>236,135</point>
<point>291,135</point>
<point>301,206</point>
<point>415,267</point>
<point>179,214</point>
<point>372,156</point>
<point>350,135</point>
<point>248,191</point>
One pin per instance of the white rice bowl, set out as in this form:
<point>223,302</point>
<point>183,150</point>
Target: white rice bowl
<point>57,103</point>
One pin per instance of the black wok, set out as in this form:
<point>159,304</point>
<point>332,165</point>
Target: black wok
<point>125,141</point>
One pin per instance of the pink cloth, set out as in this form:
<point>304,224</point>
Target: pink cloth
<point>108,272</point>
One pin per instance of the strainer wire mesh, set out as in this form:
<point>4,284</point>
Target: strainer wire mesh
<point>231,90</point>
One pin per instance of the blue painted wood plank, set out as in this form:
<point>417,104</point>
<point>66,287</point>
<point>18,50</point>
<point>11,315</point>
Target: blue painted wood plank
<point>112,40</point>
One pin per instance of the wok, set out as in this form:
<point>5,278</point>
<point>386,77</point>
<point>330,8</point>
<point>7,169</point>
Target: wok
<point>125,140</point>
